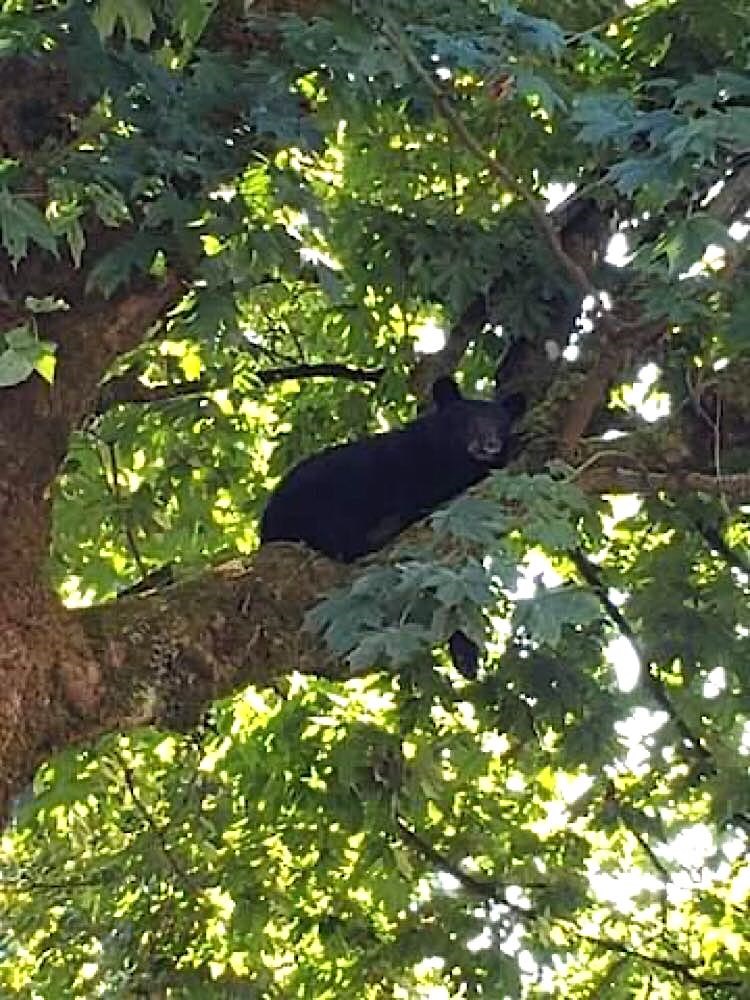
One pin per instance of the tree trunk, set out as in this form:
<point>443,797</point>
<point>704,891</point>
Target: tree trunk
<point>50,682</point>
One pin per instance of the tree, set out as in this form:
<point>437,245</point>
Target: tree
<point>228,233</point>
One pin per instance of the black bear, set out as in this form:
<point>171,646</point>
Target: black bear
<point>354,498</point>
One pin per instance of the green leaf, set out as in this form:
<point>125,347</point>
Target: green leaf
<point>528,83</point>
<point>631,175</point>
<point>73,232</point>
<point>686,241</point>
<point>706,90</point>
<point>109,204</point>
<point>737,335</point>
<point>134,15</point>
<point>14,367</point>
<point>191,16</point>
<point>46,363</point>
<point>696,139</point>
<point>472,518</point>
<point>49,304</point>
<point>604,118</point>
<point>534,32</point>
<point>114,268</point>
<point>22,223</point>
<point>734,127</point>
<point>24,354</point>
<point>546,615</point>
<point>403,643</point>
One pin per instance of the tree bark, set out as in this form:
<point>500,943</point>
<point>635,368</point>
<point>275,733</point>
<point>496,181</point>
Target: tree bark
<point>52,679</point>
<point>158,659</point>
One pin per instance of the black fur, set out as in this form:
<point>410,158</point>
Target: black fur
<point>354,498</point>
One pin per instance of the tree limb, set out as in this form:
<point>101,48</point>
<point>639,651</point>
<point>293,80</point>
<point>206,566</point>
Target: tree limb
<point>128,388</point>
<point>616,479</point>
<point>580,279</point>
<point>164,657</point>
<point>494,892</point>
<point>682,969</point>
<point>692,743</point>
<point>489,891</point>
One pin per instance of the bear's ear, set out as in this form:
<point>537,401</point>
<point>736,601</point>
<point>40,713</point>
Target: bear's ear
<point>514,404</point>
<point>445,391</point>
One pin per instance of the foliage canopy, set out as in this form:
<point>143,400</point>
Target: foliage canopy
<point>332,184</point>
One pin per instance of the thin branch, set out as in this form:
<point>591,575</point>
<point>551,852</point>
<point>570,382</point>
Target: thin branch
<point>654,858</point>
<point>620,480</point>
<point>488,891</point>
<point>128,388</point>
<point>158,830</point>
<point>681,969</point>
<point>653,684</point>
<point>623,11</point>
<point>22,884</point>
<point>393,33</point>
<point>322,370</point>
<point>112,480</point>
<point>495,892</point>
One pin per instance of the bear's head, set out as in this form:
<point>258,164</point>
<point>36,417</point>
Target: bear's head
<point>479,427</point>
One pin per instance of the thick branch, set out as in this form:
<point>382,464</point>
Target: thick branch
<point>614,355</point>
<point>734,198</point>
<point>164,657</point>
<point>623,341</point>
<point>447,360</point>
<point>621,480</point>
<point>36,419</point>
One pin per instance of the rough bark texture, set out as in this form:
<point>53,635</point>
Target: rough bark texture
<point>165,656</point>
<point>159,659</point>
<point>42,656</point>
<point>51,678</point>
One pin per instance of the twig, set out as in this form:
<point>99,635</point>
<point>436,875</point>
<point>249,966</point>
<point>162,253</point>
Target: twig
<point>648,850</point>
<point>157,829</point>
<point>113,485</point>
<point>22,884</point>
<point>580,471</point>
<point>615,16</point>
<point>494,892</point>
<point>681,969</point>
